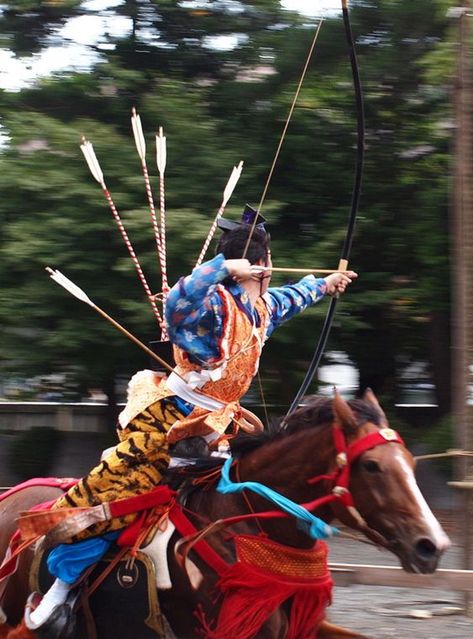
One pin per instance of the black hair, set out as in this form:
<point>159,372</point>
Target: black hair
<point>232,244</point>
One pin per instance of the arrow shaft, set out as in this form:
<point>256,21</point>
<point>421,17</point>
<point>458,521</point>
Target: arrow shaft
<point>159,238</point>
<point>162,220</point>
<point>209,237</point>
<point>324,271</point>
<point>149,195</point>
<point>133,256</point>
<point>134,339</point>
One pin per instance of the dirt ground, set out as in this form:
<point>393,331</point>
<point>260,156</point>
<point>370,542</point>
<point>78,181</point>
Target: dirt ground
<point>393,613</point>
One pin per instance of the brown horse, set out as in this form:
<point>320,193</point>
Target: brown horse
<point>390,509</point>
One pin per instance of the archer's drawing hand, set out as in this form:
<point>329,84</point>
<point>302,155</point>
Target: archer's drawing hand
<point>338,282</point>
<point>240,270</point>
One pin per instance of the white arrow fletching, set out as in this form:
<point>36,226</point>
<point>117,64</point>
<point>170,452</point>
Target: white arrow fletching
<point>92,162</point>
<point>66,283</point>
<point>232,182</point>
<point>138,134</point>
<point>161,151</point>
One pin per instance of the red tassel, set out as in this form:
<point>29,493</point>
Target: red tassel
<point>251,596</point>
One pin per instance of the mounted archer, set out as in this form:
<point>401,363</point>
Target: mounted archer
<point>218,319</point>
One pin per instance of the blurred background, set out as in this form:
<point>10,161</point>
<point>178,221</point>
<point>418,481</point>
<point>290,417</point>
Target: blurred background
<point>220,76</point>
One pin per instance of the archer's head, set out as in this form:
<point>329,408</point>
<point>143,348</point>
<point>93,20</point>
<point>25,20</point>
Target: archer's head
<point>233,243</point>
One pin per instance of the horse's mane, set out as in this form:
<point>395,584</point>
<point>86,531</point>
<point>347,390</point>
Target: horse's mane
<point>317,412</point>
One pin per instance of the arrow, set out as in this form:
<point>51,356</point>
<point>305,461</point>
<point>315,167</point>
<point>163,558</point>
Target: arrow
<point>275,269</point>
<point>161,155</point>
<point>158,235</point>
<point>94,166</point>
<point>81,295</point>
<point>227,193</point>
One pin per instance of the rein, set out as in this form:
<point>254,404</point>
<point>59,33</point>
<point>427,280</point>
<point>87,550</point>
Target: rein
<point>347,454</point>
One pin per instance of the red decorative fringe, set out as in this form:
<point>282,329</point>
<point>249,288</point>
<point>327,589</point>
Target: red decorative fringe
<point>250,596</point>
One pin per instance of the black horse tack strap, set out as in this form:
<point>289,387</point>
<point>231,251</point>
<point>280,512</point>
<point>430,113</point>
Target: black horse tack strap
<point>117,582</point>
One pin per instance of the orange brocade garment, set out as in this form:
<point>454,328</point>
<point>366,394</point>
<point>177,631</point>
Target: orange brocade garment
<point>242,345</point>
<point>149,424</point>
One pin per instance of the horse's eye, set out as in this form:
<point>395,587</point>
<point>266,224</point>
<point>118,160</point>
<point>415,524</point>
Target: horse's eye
<point>371,466</point>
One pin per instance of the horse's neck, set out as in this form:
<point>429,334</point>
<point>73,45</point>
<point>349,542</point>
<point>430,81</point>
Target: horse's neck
<point>285,465</point>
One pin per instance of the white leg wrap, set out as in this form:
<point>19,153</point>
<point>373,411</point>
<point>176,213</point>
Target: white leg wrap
<point>55,596</point>
<point>157,551</point>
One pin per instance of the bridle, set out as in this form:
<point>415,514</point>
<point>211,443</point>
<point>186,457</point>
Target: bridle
<point>339,480</point>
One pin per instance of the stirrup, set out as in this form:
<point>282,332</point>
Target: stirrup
<point>61,623</point>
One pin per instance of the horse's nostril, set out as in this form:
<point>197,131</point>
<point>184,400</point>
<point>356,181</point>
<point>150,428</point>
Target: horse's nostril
<point>426,548</point>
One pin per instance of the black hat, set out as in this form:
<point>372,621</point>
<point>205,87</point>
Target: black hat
<point>247,218</point>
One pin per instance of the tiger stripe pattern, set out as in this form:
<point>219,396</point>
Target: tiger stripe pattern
<point>135,466</point>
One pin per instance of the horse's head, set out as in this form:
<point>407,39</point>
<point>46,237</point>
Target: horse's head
<point>383,487</point>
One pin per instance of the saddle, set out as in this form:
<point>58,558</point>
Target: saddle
<point>118,582</point>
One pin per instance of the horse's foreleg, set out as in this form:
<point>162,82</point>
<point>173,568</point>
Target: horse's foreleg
<point>275,627</point>
<point>329,630</point>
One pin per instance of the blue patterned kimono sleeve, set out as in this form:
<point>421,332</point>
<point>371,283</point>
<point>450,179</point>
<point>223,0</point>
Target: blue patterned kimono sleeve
<point>287,301</point>
<point>194,312</point>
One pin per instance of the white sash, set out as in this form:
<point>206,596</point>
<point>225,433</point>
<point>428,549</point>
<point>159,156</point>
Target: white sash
<point>180,388</point>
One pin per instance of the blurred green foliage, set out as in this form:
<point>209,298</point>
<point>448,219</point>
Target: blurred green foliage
<point>218,106</point>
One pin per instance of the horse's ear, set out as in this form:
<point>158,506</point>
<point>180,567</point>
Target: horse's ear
<point>370,397</point>
<point>343,413</point>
